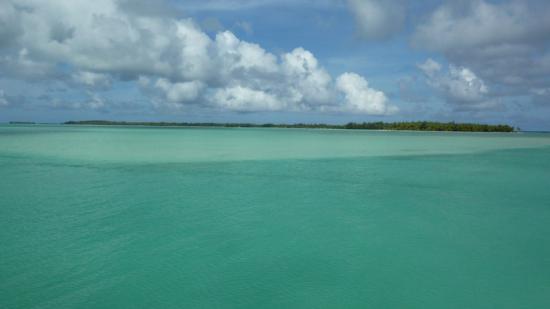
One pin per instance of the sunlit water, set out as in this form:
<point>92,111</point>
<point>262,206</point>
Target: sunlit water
<point>119,217</point>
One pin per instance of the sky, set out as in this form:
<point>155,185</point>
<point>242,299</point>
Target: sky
<point>280,61</point>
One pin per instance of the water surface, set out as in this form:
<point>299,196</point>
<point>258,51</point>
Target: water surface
<point>97,217</point>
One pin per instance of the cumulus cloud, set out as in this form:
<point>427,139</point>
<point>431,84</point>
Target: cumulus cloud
<point>92,80</point>
<point>308,82</point>
<point>241,59</point>
<point>360,97</point>
<point>504,42</point>
<point>173,60</point>
<point>430,67</point>
<point>184,92</point>
<point>240,98</point>
<point>458,85</point>
<point>377,19</point>
<point>100,37</point>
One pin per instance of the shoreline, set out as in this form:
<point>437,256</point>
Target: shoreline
<point>253,127</point>
<point>416,126</point>
<point>258,127</point>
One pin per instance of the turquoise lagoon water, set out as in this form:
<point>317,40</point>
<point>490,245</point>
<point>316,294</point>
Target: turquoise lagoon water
<point>121,217</point>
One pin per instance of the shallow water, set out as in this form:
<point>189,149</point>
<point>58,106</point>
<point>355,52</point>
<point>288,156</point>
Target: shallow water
<point>204,217</point>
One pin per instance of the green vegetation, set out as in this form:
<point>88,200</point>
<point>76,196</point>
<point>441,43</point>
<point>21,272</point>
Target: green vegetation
<point>430,126</point>
<point>22,122</point>
<point>412,126</point>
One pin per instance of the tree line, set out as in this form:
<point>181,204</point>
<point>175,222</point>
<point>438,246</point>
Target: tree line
<point>380,125</point>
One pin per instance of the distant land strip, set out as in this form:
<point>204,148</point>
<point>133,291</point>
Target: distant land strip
<point>399,126</point>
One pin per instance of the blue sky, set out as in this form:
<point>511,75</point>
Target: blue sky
<point>329,61</point>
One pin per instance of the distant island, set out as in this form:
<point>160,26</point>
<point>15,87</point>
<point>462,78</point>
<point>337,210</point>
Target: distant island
<point>398,126</point>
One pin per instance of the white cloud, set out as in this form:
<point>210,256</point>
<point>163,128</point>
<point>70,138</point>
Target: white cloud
<point>307,81</point>
<point>244,99</point>
<point>430,67</point>
<point>377,19</point>
<point>361,98</point>
<point>101,38</point>
<point>173,60</point>
<point>236,57</point>
<point>463,85</point>
<point>458,85</point>
<point>92,80</point>
<point>479,23</point>
<point>180,92</point>
<point>504,42</point>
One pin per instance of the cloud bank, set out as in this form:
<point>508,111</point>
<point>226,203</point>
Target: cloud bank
<point>497,51</point>
<point>505,43</point>
<point>176,64</point>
